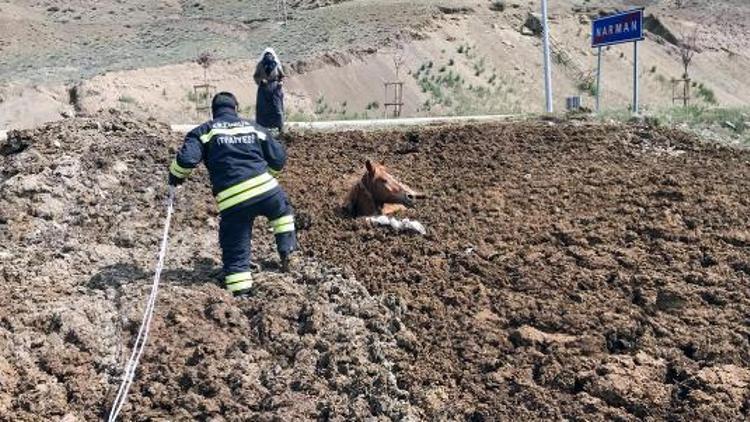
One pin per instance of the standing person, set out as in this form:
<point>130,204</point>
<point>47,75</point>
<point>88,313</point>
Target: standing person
<point>269,76</point>
<point>242,160</point>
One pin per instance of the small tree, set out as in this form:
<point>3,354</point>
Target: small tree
<point>281,9</point>
<point>205,60</point>
<point>202,93</point>
<point>398,58</point>
<point>688,46</point>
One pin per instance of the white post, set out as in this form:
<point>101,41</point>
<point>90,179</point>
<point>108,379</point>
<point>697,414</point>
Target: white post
<point>547,69</point>
<point>635,78</point>
<point>599,81</point>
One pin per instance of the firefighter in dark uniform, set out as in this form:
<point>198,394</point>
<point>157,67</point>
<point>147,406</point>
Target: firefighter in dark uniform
<point>242,160</point>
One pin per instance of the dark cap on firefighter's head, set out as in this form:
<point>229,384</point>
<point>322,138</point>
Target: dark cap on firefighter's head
<point>223,102</point>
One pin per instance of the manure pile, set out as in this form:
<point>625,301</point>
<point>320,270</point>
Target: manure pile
<point>570,270</point>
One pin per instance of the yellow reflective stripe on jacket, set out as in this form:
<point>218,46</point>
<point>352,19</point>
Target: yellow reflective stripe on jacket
<point>179,171</point>
<point>244,130</point>
<point>248,189</point>
<point>252,193</point>
<point>239,281</point>
<point>241,187</point>
<point>273,172</point>
<point>283,225</point>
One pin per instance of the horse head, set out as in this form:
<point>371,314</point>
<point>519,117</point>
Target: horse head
<point>378,192</point>
<point>385,188</point>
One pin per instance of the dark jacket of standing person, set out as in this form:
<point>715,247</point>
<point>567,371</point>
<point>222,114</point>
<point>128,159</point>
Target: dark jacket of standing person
<point>269,76</point>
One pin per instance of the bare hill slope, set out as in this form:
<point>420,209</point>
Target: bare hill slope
<point>459,57</point>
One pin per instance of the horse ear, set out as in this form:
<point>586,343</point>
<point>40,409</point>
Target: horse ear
<point>370,167</point>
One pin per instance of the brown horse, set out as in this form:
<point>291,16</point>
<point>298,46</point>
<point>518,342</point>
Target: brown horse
<point>378,192</point>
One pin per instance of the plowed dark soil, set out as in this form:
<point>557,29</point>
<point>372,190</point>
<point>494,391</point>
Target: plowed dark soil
<point>589,272</point>
<point>575,271</point>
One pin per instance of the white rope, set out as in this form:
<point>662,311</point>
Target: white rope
<point>140,341</point>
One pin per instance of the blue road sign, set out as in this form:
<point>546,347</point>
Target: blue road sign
<point>619,28</point>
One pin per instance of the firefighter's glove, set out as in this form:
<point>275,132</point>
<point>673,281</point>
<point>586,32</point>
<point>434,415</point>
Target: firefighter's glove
<point>174,180</point>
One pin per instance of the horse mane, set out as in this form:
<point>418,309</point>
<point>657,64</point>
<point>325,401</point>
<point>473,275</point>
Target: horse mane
<point>359,200</point>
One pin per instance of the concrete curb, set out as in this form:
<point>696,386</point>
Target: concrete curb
<point>343,125</point>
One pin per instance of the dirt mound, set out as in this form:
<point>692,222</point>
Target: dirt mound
<point>81,214</point>
<point>569,271</point>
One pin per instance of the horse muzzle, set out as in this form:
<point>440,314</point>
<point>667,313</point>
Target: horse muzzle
<point>410,200</point>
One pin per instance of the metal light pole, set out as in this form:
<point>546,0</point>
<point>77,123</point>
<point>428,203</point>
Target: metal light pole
<point>547,69</point>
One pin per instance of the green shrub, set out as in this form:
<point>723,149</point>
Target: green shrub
<point>498,6</point>
<point>320,105</point>
<point>707,94</point>
<point>588,87</point>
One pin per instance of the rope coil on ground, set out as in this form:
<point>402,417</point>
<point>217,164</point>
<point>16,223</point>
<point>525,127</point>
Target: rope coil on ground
<point>140,342</point>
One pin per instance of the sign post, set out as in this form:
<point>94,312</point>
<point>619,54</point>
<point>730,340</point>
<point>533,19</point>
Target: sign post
<point>599,80</point>
<point>547,69</point>
<point>635,78</point>
<point>617,29</point>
